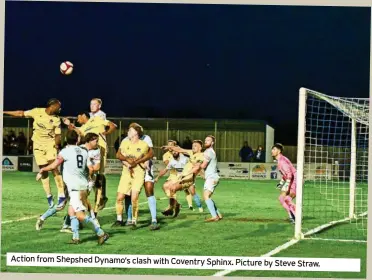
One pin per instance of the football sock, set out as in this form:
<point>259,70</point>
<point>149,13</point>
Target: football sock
<point>119,209</point>
<point>291,205</point>
<point>152,205</point>
<point>128,207</point>
<point>284,204</point>
<point>60,186</point>
<point>135,206</point>
<point>75,227</point>
<point>197,201</point>
<point>97,228</point>
<point>50,212</point>
<point>46,185</point>
<point>211,207</point>
<point>188,198</point>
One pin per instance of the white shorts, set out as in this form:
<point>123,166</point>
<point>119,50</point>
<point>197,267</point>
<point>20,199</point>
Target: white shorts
<point>149,177</point>
<point>75,201</point>
<point>211,183</point>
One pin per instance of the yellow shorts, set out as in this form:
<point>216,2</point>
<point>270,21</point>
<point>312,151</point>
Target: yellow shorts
<point>103,153</point>
<point>44,153</point>
<point>173,179</point>
<point>188,181</point>
<point>128,184</point>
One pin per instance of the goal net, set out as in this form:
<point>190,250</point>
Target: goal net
<point>332,166</point>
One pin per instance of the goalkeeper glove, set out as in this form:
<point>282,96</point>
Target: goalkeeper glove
<point>283,185</point>
<point>280,185</point>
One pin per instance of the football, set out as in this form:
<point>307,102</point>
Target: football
<point>66,67</point>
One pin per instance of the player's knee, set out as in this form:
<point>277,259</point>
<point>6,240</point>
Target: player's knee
<point>191,191</point>
<point>119,198</point>
<point>207,194</point>
<point>149,189</point>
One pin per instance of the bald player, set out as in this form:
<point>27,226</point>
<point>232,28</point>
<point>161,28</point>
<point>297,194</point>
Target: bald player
<point>46,139</point>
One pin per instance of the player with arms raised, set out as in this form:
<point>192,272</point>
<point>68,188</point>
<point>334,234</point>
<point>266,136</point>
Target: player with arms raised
<point>287,185</point>
<point>90,145</point>
<point>175,166</point>
<point>132,150</point>
<point>187,177</point>
<point>167,157</point>
<point>98,126</point>
<point>75,175</point>
<point>46,139</point>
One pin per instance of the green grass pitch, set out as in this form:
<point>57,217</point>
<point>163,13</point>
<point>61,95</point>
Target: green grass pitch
<point>254,224</point>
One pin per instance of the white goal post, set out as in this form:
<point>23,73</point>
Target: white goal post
<point>332,167</point>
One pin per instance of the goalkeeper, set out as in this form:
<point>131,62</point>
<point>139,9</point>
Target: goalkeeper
<point>287,185</point>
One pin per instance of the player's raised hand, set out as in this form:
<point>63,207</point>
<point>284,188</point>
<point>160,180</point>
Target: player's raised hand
<point>66,121</point>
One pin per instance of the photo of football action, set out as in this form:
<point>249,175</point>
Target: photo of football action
<point>186,140</point>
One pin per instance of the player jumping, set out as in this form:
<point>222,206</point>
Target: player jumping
<point>98,126</point>
<point>287,185</point>
<point>95,109</point>
<point>46,139</point>
<point>175,166</point>
<point>187,177</point>
<point>167,157</point>
<point>75,175</point>
<point>90,143</point>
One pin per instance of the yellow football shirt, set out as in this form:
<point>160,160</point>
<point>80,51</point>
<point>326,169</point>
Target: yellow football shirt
<point>194,159</point>
<point>134,151</point>
<point>96,125</point>
<point>168,157</point>
<point>45,127</point>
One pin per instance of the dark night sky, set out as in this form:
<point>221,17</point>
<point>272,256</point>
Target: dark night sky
<point>198,61</point>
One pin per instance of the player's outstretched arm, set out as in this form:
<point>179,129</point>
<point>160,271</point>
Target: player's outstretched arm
<point>194,171</point>
<point>50,167</point>
<point>161,174</point>
<point>112,128</point>
<point>177,149</point>
<point>19,114</point>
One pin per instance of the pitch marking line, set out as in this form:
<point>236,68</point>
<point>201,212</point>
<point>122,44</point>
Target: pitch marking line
<point>269,254</point>
<point>34,217</point>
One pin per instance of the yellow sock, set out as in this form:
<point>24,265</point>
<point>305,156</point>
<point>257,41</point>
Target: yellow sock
<point>135,208</point>
<point>46,186</point>
<point>99,196</point>
<point>119,210</point>
<point>189,199</point>
<point>60,185</point>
